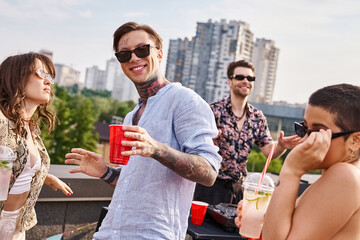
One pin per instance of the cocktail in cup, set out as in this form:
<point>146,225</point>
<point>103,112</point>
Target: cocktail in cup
<point>7,158</point>
<point>116,148</point>
<point>255,203</point>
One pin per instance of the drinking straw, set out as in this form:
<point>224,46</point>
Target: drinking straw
<point>266,166</point>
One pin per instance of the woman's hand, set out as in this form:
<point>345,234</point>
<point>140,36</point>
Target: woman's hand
<point>55,183</point>
<point>309,153</point>
<point>238,217</point>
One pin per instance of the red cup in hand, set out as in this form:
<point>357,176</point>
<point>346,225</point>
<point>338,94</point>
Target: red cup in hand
<point>116,148</point>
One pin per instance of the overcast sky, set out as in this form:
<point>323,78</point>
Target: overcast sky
<point>319,40</point>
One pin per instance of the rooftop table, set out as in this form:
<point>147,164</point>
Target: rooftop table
<point>211,230</point>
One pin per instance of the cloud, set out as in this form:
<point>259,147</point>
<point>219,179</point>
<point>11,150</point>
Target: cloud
<point>86,13</point>
<point>135,14</point>
<point>55,10</point>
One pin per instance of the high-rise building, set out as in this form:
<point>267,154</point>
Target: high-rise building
<point>179,60</point>
<point>265,57</point>
<point>112,79</point>
<point>66,76</point>
<point>122,88</point>
<point>113,69</point>
<point>201,63</point>
<point>95,78</point>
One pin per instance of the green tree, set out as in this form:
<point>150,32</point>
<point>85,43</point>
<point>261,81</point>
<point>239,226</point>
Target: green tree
<point>77,117</point>
<point>105,108</point>
<point>58,141</point>
<point>257,161</point>
<point>91,93</point>
<point>124,108</point>
<point>77,112</point>
<point>82,128</point>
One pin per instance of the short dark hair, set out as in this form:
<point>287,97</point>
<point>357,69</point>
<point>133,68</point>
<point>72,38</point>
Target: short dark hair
<point>133,26</point>
<point>241,63</point>
<point>341,100</point>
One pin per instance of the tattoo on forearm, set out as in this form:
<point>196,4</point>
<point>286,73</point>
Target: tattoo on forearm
<point>189,166</point>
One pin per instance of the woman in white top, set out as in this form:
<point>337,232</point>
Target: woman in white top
<point>25,95</point>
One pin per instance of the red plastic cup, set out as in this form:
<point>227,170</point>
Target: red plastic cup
<point>116,148</point>
<point>198,210</point>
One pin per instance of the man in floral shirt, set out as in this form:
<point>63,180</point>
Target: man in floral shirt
<point>240,125</point>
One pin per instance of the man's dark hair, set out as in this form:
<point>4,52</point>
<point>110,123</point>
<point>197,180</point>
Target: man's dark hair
<point>343,101</point>
<point>133,26</point>
<point>241,63</point>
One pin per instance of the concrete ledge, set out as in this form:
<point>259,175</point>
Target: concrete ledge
<point>77,220</point>
<point>77,215</point>
<point>86,189</point>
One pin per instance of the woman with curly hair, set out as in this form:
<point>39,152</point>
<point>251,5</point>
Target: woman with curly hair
<point>25,96</point>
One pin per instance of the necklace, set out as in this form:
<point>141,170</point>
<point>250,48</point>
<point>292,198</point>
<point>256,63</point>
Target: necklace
<point>239,118</point>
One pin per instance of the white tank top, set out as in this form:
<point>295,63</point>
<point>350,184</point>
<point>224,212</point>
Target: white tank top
<point>23,181</point>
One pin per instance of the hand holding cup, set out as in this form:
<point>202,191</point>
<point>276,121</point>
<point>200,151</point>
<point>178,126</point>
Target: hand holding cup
<point>238,217</point>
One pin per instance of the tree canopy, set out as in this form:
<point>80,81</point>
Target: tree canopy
<point>77,111</point>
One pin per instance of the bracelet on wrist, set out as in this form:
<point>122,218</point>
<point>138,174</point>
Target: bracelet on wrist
<point>110,175</point>
<point>106,173</point>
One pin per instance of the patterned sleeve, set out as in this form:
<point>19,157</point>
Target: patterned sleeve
<point>3,129</point>
<point>217,113</point>
<point>264,136</point>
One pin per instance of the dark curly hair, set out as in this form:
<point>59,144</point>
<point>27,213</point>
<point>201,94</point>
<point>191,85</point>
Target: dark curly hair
<point>241,63</point>
<point>15,72</point>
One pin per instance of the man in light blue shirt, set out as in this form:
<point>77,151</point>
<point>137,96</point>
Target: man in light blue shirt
<point>173,128</point>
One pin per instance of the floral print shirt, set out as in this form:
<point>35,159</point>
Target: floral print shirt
<point>235,144</point>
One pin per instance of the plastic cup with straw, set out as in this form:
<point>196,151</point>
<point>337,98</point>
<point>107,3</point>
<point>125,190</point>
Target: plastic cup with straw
<point>258,189</point>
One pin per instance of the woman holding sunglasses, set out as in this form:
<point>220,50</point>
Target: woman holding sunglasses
<point>25,96</point>
<point>330,207</point>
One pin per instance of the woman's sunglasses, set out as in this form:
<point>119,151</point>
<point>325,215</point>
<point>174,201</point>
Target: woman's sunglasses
<point>301,130</point>
<point>141,52</point>
<point>41,74</point>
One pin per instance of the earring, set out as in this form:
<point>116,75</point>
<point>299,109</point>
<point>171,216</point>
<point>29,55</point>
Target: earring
<point>352,153</point>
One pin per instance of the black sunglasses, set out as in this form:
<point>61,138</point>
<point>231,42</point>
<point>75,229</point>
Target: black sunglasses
<point>301,130</point>
<point>242,77</point>
<point>140,52</point>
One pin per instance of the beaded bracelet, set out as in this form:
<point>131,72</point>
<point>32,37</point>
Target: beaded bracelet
<point>110,175</point>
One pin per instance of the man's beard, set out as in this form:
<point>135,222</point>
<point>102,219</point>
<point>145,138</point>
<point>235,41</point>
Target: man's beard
<point>237,92</point>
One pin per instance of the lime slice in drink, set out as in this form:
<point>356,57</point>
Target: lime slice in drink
<point>4,164</point>
<point>263,200</point>
<point>253,199</point>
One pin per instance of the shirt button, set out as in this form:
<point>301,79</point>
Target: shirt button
<point>126,181</point>
<point>114,232</point>
<point>119,206</point>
